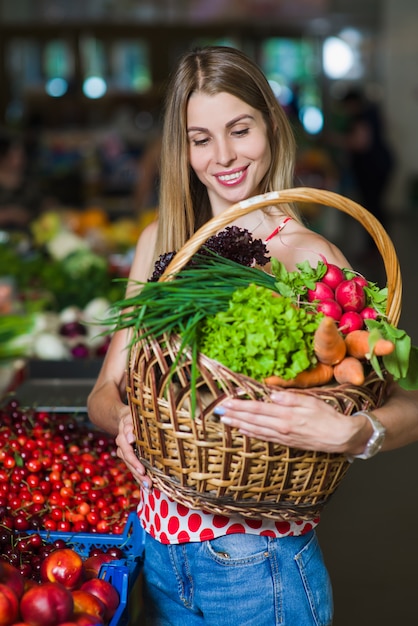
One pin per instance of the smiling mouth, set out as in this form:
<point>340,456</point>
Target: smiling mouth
<point>228,178</point>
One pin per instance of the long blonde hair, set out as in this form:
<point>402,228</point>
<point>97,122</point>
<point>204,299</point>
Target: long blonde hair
<point>184,202</point>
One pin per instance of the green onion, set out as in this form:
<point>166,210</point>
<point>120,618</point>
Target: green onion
<point>194,293</point>
<point>178,306</point>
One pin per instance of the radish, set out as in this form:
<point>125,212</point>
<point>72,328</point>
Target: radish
<point>351,296</point>
<point>350,321</point>
<point>321,292</point>
<point>368,313</point>
<point>359,279</point>
<point>330,308</point>
<point>333,276</point>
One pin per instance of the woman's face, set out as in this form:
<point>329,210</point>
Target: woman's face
<point>228,147</point>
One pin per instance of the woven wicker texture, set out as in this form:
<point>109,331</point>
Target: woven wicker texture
<point>204,464</point>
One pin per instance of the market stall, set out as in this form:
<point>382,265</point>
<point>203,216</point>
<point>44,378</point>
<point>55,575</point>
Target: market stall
<point>63,491</point>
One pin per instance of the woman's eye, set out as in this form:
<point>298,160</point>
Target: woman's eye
<point>241,133</point>
<point>200,142</point>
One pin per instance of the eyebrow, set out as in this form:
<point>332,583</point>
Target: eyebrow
<point>227,125</point>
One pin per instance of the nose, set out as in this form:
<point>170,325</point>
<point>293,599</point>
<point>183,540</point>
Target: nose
<point>225,152</point>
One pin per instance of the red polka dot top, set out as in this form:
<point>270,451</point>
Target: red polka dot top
<point>173,523</point>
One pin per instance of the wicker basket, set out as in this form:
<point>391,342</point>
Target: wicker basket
<point>204,464</point>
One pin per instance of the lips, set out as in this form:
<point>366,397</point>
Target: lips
<point>231,178</point>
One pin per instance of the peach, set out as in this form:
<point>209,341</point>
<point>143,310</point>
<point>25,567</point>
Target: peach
<point>106,592</point>
<point>86,602</point>
<point>47,604</point>
<point>63,566</point>
<point>85,619</point>
<point>92,564</point>
<point>9,606</point>
<point>10,576</point>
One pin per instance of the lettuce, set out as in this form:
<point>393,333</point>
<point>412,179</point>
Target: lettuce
<point>260,334</point>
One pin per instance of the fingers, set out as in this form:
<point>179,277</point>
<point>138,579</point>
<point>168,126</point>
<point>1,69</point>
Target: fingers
<point>291,419</point>
<point>240,413</point>
<point>126,450</point>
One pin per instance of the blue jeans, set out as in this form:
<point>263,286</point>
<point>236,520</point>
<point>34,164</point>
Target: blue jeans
<point>237,580</point>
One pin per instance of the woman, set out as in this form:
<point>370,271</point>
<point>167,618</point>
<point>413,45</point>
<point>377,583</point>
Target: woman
<point>225,139</point>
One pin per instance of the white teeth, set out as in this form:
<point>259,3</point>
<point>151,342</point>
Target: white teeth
<point>228,177</point>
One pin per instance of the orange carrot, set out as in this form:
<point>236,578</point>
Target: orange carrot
<point>357,344</point>
<point>349,370</point>
<point>319,374</point>
<point>329,344</point>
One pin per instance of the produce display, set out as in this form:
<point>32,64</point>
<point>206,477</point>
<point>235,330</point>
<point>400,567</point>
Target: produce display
<point>57,269</point>
<point>63,588</point>
<point>59,474</point>
<point>45,281</point>
<point>69,536</point>
<point>73,333</point>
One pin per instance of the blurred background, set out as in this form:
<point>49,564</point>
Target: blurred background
<point>82,86</point>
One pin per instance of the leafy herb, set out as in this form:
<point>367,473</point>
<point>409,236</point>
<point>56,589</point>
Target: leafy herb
<point>295,284</point>
<point>402,363</point>
<point>234,243</point>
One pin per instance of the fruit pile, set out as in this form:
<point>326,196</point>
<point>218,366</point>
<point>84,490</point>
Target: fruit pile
<point>59,474</point>
<point>66,589</point>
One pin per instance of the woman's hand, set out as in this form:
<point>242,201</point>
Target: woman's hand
<point>125,441</point>
<point>297,420</point>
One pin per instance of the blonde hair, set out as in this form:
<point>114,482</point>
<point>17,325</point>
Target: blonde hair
<point>184,202</point>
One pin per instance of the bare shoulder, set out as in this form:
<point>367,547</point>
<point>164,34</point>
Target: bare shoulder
<point>298,243</point>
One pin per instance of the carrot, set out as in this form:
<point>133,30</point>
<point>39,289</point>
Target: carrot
<point>358,345</point>
<point>349,370</point>
<point>328,343</point>
<point>319,374</point>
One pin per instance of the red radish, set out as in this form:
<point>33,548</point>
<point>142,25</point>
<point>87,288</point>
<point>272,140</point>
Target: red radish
<point>368,313</point>
<point>333,276</point>
<point>330,308</point>
<point>321,292</point>
<point>351,296</point>
<point>358,278</point>
<point>350,321</point>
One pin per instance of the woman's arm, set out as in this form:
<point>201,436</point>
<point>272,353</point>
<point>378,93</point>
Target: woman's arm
<point>107,402</point>
<point>303,421</point>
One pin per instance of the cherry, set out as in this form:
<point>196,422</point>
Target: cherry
<point>35,541</point>
<point>21,522</point>
<point>60,474</point>
<point>116,552</point>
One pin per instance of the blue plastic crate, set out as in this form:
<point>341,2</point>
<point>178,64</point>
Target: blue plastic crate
<point>131,541</point>
<point>123,580</point>
<point>122,573</point>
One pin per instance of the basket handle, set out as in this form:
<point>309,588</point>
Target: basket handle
<point>304,194</point>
